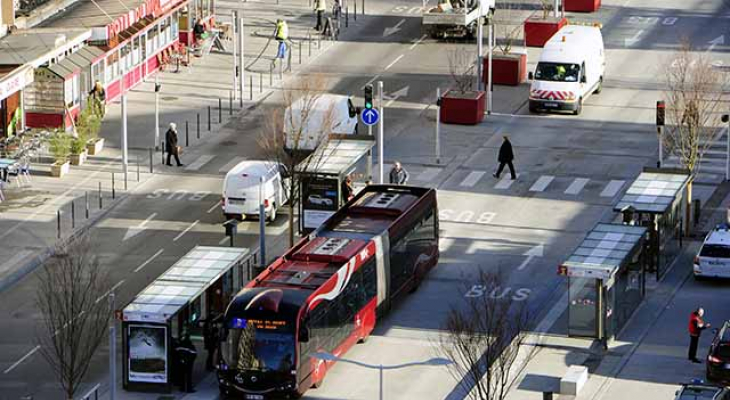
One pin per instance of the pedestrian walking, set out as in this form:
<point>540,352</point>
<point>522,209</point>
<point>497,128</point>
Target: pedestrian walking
<point>171,144</point>
<point>506,156</point>
<point>398,174</point>
<point>210,341</point>
<point>696,326</point>
<point>186,355</point>
<point>320,6</point>
<point>348,190</point>
<point>282,35</point>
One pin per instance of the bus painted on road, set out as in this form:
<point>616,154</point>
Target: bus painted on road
<point>327,292</point>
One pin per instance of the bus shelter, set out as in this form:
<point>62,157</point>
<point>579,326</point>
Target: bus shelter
<point>195,289</point>
<point>323,173</point>
<point>657,199</point>
<point>606,280</point>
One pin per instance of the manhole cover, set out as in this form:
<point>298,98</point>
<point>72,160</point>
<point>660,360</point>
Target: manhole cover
<point>229,143</point>
<point>169,98</point>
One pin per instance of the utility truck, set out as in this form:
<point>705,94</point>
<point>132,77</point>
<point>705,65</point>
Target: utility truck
<point>455,18</point>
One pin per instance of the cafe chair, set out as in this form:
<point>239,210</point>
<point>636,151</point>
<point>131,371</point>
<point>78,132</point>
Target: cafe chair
<point>24,171</point>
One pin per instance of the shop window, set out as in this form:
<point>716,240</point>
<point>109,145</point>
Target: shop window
<point>76,88</point>
<point>112,67</point>
<point>125,58</point>
<point>175,24</point>
<point>165,31</point>
<point>135,51</point>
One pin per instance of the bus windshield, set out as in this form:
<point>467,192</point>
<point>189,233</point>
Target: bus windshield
<point>556,72</point>
<point>259,349</point>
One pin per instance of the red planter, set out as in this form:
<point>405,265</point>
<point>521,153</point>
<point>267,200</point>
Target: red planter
<point>538,30</point>
<point>465,108</point>
<point>582,5</point>
<point>509,69</point>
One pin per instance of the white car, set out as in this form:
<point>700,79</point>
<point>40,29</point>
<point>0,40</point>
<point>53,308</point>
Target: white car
<point>713,259</point>
<point>316,199</point>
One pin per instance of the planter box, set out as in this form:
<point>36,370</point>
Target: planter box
<point>582,5</point>
<point>79,159</point>
<point>94,148</point>
<point>538,30</point>
<point>466,108</point>
<point>59,170</point>
<point>509,69</point>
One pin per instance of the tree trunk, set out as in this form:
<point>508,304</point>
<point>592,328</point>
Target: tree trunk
<point>688,209</point>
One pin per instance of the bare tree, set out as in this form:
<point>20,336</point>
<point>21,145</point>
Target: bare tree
<point>289,137</point>
<point>483,337</point>
<point>508,26</point>
<point>461,69</point>
<point>70,297</point>
<point>694,95</point>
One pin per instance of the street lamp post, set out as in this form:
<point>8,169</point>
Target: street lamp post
<point>434,362</point>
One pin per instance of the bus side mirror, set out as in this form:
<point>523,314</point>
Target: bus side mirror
<point>530,75</point>
<point>303,335</point>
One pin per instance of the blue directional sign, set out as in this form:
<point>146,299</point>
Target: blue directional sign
<point>370,116</point>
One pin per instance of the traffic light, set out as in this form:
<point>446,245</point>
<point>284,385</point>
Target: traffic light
<point>660,108</point>
<point>368,96</point>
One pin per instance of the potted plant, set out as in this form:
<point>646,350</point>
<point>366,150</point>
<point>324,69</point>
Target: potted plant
<point>509,67</point>
<point>78,150</point>
<point>462,105</point>
<point>582,5</point>
<point>89,125</point>
<point>60,147</point>
<point>539,30</point>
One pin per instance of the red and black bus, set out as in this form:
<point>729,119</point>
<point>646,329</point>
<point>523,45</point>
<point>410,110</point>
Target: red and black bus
<point>327,292</point>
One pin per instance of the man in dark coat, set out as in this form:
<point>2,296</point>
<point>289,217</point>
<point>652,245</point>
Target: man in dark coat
<point>171,144</point>
<point>696,326</point>
<point>505,157</point>
<point>398,174</point>
<point>186,355</point>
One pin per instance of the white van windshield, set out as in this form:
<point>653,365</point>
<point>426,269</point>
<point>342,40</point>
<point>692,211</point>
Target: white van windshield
<point>556,72</point>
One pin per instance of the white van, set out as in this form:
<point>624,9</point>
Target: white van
<point>343,120</point>
<point>241,190</point>
<point>570,69</point>
<point>713,259</point>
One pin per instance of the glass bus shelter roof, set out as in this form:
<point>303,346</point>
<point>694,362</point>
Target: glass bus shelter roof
<point>653,192</point>
<point>338,155</point>
<point>603,251</point>
<point>182,283</point>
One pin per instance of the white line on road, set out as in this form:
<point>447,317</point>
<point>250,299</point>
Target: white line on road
<point>428,174</point>
<point>225,239</point>
<point>185,231</point>
<point>612,188</point>
<point>14,260</point>
<point>577,185</point>
<point>115,287</point>
<point>445,244</point>
<point>15,364</point>
<point>505,183</point>
<point>149,260</point>
<point>394,61</point>
<point>212,208</point>
<point>542,183</point>
<point>472,178</point>
<point>231,164</point>
<point>197,164</point>
<point>370,81</point>
<point>413,46</point>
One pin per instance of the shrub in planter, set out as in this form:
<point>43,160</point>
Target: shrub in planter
<point>60,147</point>
<point>582,5</point>
<point>462,105</point>
<point>539,29</point>
<point>89,125</point>
<point>508,67</point>
<point>78,150</point>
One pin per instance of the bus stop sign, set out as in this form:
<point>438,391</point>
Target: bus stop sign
<point>370,116</point>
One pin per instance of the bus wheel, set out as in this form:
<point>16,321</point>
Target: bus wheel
<point>318,384</point>
<point>579,108</point>
<point>272,214</point>
<point>362,340</point>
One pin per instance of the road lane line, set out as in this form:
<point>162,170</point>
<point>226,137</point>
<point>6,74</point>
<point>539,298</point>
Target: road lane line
<point>612,188</point>
<point>197,164</point>
<point>15,364</point>
<point>542,183</point>
<point>149,260</point>
<point>428,174</point>
<point>505,183</point>
<point>370,82</point>
<point>115,287</point>
<point>577,185</point>
<point>216,205</point>
<point>225,239</point>
<point>185,231</point>
<point>229,166</point>
<point>413,46</point>
<point>472,178</point>
<point>394,61</point>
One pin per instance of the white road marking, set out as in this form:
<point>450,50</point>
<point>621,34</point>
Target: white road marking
<point>185,231</point>
<point>14,260</point>
<point>428,174</point>
<point>577,185</point>
<point>505,183</point>
<point>216,205</point>
<point>15,364</point>
<point>149,260</point>
<point>612,188</point>
<point>370,81</point>
<point>134,230</point>
<point>472,178</point>
<point>235,161</point>
<point>197,164</point>
<point>225,239</point>
<point>413,46</point>
<point>115,287</point>
<point>445,244</point>
<point>394,61</point>
<point>542,183</point>
<point>536,251</point>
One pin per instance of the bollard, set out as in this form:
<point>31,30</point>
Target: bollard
<point>208,118</point>
<point>197,122</point>
<point>299,44</point>
<point>137,159</point>
<point>362,11</point>
<point>230,103</point>
<point>220,110</point>
<point>152,171</point>
<point>100,204</point>
<point>347,17</point>
<point>58,223</point>
<point>162,142</point>
<point>319,42</point>
<point>114,194</point>
<point>355,14</point>
<point>87,203</point>
<point>261,82</point>
<point>250,87</point>
<point>187,135</point>
<point>309,40</point>
<point>73,214</point>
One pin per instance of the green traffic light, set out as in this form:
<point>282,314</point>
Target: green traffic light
<point>368,105</point>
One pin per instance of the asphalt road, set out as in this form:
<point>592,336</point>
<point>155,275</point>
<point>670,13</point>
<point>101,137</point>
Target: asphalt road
<point>571,169</point>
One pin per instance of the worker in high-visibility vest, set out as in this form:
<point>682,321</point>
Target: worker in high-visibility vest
<point>320,6</point>
<point>281,35</point>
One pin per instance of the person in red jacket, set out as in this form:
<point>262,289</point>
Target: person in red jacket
<point>696,326</point>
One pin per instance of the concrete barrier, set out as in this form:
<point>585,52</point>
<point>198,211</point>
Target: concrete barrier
<point>574,379</point>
